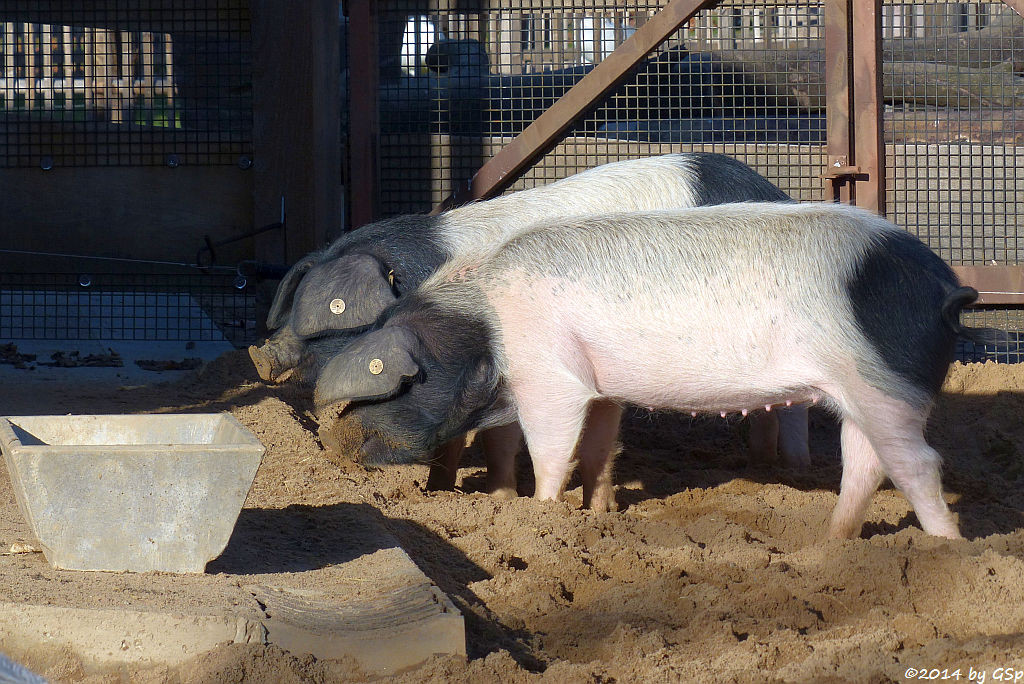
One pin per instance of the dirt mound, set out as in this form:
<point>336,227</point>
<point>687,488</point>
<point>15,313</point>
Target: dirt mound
<point>711,570</point>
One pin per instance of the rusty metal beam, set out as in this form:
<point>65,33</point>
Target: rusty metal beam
<point>1016,5</point>
<point>838,121</point>
<point>364,114</point>
<point>544,133</point>
<point>868,139</point>
<point>996,285</point>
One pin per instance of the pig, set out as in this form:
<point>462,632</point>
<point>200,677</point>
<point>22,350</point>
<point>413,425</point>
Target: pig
<point>339,291</point>
<point>738,307</point>
<point>345,286</point>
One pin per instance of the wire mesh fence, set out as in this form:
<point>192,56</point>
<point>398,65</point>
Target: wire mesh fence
<point>457,86</point>
<point>94,84</point>
<point>744,79</point>
<point>126,306</point>
<point>953,137</point>
<point>952,129</point>
<point>98,84</point>
<point>1009,350</point>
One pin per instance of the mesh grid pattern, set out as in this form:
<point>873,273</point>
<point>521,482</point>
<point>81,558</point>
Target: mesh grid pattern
<point>456,87</point>
<point>1009,320</point>
<point>744,79</point>
<point>126,307</point>
<point>952,140</point>
<point>125,84</point>
<point>951,127</point>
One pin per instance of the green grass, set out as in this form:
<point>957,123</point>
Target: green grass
<point>158,109</point>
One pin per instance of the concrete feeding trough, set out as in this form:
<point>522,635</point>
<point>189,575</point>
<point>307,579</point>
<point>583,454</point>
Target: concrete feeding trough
<point>130,492</point>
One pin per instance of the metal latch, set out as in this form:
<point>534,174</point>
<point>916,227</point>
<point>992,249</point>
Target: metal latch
<point>840,169</point>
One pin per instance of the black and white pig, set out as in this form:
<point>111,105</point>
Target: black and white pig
<point>338,291</point>
<point>738,307</point>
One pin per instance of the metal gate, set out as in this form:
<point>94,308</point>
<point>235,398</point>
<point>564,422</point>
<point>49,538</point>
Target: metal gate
<point>905,108</point>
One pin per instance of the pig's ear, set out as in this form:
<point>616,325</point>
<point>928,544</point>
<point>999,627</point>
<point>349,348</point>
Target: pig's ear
<point>373,367</point>
<point>346,293</point>
<point>285,289</point>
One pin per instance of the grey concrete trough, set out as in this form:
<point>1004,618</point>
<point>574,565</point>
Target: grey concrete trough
<point>130,492</point>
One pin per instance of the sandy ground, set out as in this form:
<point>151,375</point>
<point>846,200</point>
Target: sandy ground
<point>712,570</point>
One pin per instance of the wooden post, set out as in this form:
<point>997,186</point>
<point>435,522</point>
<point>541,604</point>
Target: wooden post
<point>838,100</point>
<point>363,120</point>
<point>1016,5</point>
<point>296,126</point>
<point>869,142</point>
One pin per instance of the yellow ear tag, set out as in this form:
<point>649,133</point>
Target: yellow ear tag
<point>337,306</point>
<point>376,366</point>
<point>391,277</point>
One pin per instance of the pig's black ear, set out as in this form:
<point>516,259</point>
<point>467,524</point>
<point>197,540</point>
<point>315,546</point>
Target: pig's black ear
<point>285,289</point>
<point>343,294</point>
<point>373,367</point>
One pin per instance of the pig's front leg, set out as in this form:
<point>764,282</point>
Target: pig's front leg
<point>596,453</point>
<point>501,445</point>
<point>445,465</point>
<point>552,418</point>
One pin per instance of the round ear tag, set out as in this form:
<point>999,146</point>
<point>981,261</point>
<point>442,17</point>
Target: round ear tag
<point>337,306</point>
<point>376,366</point>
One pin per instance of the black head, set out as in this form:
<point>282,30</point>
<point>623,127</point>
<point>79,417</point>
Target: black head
<point>285,293</point>
<point>403,390</point>
<point>347,293</point>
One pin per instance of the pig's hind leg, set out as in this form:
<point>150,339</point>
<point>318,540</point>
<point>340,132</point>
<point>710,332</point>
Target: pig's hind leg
<point>862,474</point>
<point>780,436</point>
<point>887,437</point>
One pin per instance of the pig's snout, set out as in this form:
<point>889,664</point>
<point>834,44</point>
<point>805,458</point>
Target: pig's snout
<point>276,358</point>
<point>344,434</point>
<point>264,363</point>
<point>340,435</point>
<point>375,452</point>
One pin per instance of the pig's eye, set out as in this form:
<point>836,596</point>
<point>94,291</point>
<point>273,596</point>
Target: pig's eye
<point>394,282</point>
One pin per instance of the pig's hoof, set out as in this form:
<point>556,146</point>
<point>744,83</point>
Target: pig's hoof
<point>603,500</point>
<point>264,364</point>
<point>440,479</point>
<point>841,529</point>
<point>800,459</point>
<point>604,505</point>
<point>503,492</point>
